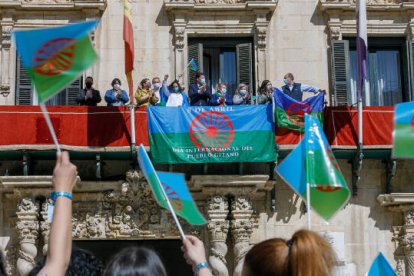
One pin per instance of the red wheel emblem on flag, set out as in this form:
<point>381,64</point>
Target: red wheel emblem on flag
<point>296,112</point>
<point>327,188</point>
<point>412,124</point>
<point>212,131</point>
<point>54,57</point>
<point>173,197</point>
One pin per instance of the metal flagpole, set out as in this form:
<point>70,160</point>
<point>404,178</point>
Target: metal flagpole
<point>308,205</point>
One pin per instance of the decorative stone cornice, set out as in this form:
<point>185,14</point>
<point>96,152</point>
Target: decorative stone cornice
<point>399,201</point>
<point>372,5</point>
<point>220,5</point>
<point>10,183</point>
<point>54,5</point>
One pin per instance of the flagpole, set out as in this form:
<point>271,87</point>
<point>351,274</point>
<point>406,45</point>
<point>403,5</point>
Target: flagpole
<point>308,205</point>
<point>50,126</point>
<point>180,229</point>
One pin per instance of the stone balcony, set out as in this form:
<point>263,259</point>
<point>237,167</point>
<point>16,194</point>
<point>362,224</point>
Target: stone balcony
<point>99,5</point>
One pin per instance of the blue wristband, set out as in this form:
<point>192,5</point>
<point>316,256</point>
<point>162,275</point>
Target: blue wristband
<point>200,266</point>
<point>55,195</point>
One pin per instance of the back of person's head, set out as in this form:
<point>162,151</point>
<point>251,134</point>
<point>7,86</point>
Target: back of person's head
<point>82,262</point>
<point>135,261</point>
<point>2,264</point>
<point>307,253</point>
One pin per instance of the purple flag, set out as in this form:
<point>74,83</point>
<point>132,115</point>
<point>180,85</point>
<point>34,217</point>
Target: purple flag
<point>362,42</point>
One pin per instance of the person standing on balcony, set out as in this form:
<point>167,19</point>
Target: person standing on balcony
<point>116,96</point>
<point>265,93</point>
<point>242,95</point>
<point>295,90</point>
<point>89,96</point>
<point>145,95</point>
<point>174,93</point>
<point>199,92</point>
<point>221,97</point>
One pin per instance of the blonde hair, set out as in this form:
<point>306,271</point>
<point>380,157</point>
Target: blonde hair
<point>306,254</point>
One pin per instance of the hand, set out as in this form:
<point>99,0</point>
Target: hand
<point>89,94</point>
<point>64,174</point>
<point>194,251</point>
<point>322,91</point>
<point>166,77</point>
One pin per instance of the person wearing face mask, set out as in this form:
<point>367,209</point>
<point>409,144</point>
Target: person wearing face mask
<point>242,95</point>
<point>116,96</point>
<point>174,93</point>
<point>157,88</point>
<point>221,98</point>
<point>265,93</point>
<point>89,96</point>
<point>295,90</point>
<point>145,95</point>
<point>199,92</point>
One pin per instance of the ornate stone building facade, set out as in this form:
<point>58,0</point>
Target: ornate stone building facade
<point>242,209</point>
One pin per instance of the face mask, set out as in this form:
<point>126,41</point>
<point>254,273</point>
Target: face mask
<point>286,81</point>
<point>223,90</point>
<point>243,92</point>
<point>175,89</point>
<point>117,86</point>
<point>88,85</point>
<point>203,81</point>
<point>156,86</point>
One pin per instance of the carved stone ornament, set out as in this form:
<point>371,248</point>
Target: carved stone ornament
<point>179,37</point>
<point>27,227</point>
<point>369,2</point>
<point>210,1</point>
<point>6,36</point>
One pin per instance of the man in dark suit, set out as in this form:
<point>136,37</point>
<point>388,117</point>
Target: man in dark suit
<point>88,95</point>
<point>199,92</point>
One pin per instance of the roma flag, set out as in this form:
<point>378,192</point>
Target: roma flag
<point>54,57</point>
<point>381,267</point>
<point>313,162</point>
<point>404,130</point>
<point>209,134</point>
<point>128,36</point>
<point>290,113</point>
<point>175,188</point>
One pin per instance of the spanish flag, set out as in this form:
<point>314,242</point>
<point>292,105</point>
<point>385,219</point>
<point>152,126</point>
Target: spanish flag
<point>129,47</point>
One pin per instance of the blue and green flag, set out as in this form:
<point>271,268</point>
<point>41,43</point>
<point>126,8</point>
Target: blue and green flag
<point>54,57</point>
<point>381,267</point>
<point>193,65</point>
<point>290,113</point>
<point>313,162</point>
<point>175,189</point>
<point>404,130</point>
<point>209,134</point>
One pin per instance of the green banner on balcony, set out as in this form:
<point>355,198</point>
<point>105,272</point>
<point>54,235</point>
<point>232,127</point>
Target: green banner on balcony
<point>404,131</point>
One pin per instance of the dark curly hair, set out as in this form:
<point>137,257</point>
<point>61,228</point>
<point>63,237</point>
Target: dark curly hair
<point>82,262</point>
<point>171,85</point>
<point>137,261</point>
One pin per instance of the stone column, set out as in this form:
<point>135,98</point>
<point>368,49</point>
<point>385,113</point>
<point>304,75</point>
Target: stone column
<point>180,43</point>
<point>218,227</point>
<point>261,26</point>
<point>45,227</point>
<point>242,226</point>
<point>27,228</point>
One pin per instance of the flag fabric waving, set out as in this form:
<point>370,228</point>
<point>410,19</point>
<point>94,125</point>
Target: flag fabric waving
<point>381,267</point>
<point>175,188</point>
<point>209,134</point>
<point>362,51</point>
<point>313,162</point>
<point>193,65</point>
<point>289,113</point>
<point>54,57</point>
<point>128,36</point>
<point>404,131</point>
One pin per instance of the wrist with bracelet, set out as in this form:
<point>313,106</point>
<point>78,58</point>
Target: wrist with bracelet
<point>200,266</point>
<point>54,196</point>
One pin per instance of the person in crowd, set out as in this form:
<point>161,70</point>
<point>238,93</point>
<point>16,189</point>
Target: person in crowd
<point>60,237</point>
<point>174,93</point>
<point>157,88</point>
<point>89,96</point>
<point>295,90</point>
<point>145,95</point>
<point>306,253</point>
<point>221,97</point>
<point>265,93</point>
<point>116,96</point>
<point>2,264</point>
<point>82,262</point>
<point>137,261</point>
<point>199,92</point>
<point>242,95</point>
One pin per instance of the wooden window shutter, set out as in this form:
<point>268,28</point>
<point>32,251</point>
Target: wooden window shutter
<point>72,91</point>
<point>23,85</point>
<point>195,51</point>
<point>340,72</point>
<point>244,65</point>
